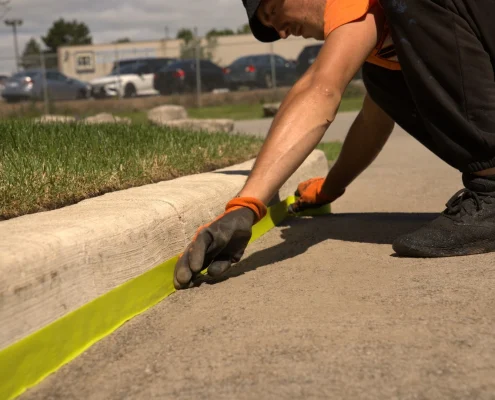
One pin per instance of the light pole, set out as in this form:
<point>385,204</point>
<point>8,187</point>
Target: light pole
<point>14,23</point>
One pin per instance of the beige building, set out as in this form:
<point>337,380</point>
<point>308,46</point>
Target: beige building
<point>91,61</point>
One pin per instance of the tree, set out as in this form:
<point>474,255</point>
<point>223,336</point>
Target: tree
<point>31,55</point>
<point>185,34</point>
<point>66,33</point>
<point>123,40</point>
<point>222,32</point>
<point>244,29</point>
<point>188,50</point>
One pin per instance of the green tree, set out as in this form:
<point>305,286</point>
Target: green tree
<point>66,33</point>
<point>186,35</point>
<point>206,51</point>
<point>221,32</point>
<point>123,40</point>
<point>244,29</point>
<point>31,55</point>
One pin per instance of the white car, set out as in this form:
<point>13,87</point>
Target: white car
<point>129,78</point>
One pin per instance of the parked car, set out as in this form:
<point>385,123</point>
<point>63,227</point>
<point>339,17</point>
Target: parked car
<point>28,85</point>
<point>306,58</point>
<point>155,63</point>
<point>3,79</point>
<point>130,78</point>
<point>256,71</point>
<point>180,77</point>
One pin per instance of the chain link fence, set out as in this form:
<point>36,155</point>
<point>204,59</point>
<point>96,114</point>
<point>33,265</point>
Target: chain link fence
<point>198,73</point>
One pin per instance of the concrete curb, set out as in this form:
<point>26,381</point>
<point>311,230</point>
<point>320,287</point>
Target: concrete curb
<point>54,262</point>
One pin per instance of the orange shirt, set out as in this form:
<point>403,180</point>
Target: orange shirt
<point>340,12</point>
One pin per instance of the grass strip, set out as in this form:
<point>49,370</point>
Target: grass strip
<point>255,111</point>
<point>236,111</point>
<point>331,149</point>
<point>46,166</point>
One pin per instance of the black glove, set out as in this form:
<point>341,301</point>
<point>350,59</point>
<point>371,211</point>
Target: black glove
<point>220,243</point>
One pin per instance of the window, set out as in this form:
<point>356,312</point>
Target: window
<point>261,60</point>
<point>208,65</point>
<point>240,62</point>
<point>131,68</point>
<point>160,63</point>
<point>144,69</point>
<point>279,61</point>
<point>83,61</point>
<point>55,76</point>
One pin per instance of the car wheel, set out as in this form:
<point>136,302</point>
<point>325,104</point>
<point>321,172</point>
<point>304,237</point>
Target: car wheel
<point>82,94</point>
<point>130,90</point>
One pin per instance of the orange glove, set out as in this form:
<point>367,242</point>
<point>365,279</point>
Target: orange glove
<point>220,243</point>
<point>311,195</point>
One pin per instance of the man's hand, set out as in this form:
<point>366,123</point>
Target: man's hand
<point>312,195</point>
<point>220,243</point>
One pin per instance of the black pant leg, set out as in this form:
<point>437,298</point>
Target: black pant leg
<point>446,54</point>
<point>388,89</point>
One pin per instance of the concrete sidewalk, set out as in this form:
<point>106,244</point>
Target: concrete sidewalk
<point>319,308</point>
<point>337,130</point>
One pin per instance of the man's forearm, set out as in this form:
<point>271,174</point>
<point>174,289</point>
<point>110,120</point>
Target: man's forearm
<point>310,107</point>
<point>364,141</point>
<point>298,127</point>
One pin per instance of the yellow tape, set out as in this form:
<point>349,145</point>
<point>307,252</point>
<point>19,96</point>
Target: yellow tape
<point>29,361</point>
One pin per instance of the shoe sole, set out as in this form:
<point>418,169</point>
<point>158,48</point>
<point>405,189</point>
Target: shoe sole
<point>486,246</point>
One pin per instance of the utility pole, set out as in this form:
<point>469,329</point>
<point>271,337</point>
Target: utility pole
<point>14,23</point>
<point>272,63</point>
<point>197,50</point>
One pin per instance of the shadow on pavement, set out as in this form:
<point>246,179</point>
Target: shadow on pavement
<point>299,234</point>
<point>243,172</point>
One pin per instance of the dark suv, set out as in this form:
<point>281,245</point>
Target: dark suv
<point>180,77</point>
<point>256,71</point>
<point>306,58</point>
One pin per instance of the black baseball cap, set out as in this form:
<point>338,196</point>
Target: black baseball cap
<point>260,31</point>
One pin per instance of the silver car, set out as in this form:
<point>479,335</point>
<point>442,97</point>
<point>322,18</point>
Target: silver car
<point>28,85</point>
<point>3,79</point>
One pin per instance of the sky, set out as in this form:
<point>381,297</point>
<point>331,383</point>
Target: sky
<point>109,20</point>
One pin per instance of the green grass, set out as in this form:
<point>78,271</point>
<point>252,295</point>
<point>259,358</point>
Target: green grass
<point>137,117</point>
<point>255,111</point>
<point>44,167</point>
<point>236,111</point>
<point>231,111</point>
<point>351,104</point>
<point>331,149</point>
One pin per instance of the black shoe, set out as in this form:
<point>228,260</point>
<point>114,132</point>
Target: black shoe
<point>466,227</point>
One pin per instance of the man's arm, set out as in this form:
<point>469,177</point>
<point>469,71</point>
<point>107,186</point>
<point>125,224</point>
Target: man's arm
<point>310,107</point>
<point>364,141</point>
<point>299,125</point>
